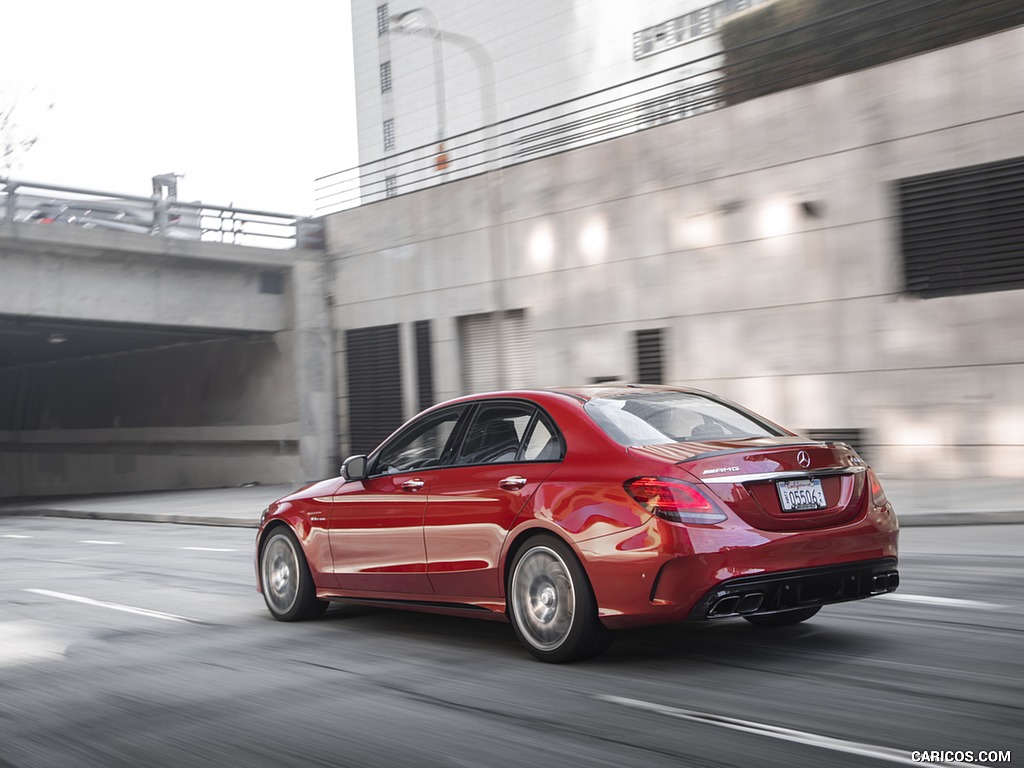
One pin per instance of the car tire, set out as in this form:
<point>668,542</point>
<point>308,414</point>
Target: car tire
<point>551,604</point>
<point>287,584</point>
<point>783,619</point>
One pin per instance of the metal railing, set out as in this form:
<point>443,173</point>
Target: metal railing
<point>596,117</point>
<point>29,201</point>
<point>699,86</point>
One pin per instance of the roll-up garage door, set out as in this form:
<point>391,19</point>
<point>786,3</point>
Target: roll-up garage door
<point>480,344</point>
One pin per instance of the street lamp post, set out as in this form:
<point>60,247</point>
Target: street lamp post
<point>422,21</point>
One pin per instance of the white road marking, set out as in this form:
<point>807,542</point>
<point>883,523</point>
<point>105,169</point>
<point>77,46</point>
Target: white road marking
<point>15,536</point>
<point>951,602</point>
<point>775,732</point>
<point>115,606</point>
<point>99,541</point>
<point>209,549</point>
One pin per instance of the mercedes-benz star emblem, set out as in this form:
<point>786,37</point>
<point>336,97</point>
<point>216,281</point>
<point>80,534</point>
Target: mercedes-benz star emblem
<point>803,459</point>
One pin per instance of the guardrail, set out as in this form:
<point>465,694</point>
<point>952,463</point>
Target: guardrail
<point>30,201</point>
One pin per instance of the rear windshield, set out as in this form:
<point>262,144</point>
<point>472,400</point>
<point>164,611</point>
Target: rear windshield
<point>650,418</point>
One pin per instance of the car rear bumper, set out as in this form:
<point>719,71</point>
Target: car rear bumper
<point>665,572</point>
<point>802,588</point>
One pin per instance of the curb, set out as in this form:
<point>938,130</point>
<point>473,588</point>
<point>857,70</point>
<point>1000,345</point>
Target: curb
<point>1001,517</point>
<point>134,517</point>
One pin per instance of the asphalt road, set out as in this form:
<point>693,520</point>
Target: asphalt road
<point>141,644</point>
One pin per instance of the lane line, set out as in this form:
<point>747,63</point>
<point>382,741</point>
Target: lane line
<point>15,536</point>
<point>116,606</point>
<point>951,602</point>
<point>209,549</point>
<point>775,732</point>
<point>99,541</point>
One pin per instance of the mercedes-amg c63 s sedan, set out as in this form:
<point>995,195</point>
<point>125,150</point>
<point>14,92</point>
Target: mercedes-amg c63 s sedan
<point>573,512</point>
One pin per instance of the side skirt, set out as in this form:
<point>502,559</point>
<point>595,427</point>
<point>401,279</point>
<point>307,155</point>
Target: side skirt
<point>495,613</point>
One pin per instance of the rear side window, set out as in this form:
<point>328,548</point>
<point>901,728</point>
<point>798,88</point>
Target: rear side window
<point>508,432</point>
<point>650,418</point>
<point>543,443</point>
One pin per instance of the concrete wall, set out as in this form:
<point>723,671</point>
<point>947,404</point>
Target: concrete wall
<point>106,276</point>
<point>763,238</point>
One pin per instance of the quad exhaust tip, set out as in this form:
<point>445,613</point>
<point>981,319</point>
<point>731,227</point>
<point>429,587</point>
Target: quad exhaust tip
<point>737,605</point>
<point>885,582</point>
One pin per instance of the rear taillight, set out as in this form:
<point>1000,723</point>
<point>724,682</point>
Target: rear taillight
<point>877,493</point>
<point>673,500</point>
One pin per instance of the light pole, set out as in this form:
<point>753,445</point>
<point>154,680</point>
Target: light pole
<point>422,21</point>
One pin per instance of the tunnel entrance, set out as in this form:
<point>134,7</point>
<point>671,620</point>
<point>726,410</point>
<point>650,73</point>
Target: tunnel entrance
<point>92,407</point>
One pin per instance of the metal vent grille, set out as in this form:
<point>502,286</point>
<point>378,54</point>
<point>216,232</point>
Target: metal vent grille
<point>962,231</point>
<point>649,361</point>
<point>373,364</point>
<point>424,365</point>
<point>272,282</point>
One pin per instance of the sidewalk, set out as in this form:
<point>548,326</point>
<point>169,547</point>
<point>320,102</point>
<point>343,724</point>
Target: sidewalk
<point>933,502</point>
<point>237,507</point>
<point>973,501</point>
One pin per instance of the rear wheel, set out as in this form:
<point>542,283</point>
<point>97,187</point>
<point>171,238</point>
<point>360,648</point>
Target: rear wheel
<point>288,588</point>
<point>551,604</point>
<point>783,619</point>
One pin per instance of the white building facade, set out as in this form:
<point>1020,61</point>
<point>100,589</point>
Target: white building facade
<point>430,79</point>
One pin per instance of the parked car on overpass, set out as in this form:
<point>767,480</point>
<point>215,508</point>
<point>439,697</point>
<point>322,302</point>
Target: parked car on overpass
<point>118,215</point>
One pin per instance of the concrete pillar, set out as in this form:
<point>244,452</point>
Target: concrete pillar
<point>314,371</point>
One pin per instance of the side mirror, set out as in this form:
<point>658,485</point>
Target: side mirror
<point>354,468</point>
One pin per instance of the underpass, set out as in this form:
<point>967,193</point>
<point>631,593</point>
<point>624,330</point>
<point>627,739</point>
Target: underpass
<point>136,361</point>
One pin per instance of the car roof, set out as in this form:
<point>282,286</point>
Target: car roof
<point>580,393</point>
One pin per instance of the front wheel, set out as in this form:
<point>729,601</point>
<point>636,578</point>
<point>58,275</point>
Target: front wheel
<point>551,603</point>
<point>288,587</point>
<point>783,619</point>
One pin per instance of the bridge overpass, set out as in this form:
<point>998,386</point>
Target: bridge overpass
<point>132,361</point>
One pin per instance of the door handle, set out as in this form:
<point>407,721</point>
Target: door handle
<point>513,483</point>
<point>412,485</point>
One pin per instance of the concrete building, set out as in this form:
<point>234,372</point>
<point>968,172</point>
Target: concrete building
<point>759,251</point>
<point>421,74</point>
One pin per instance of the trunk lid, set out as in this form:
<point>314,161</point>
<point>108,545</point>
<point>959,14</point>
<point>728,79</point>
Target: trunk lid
<point>776,483</point>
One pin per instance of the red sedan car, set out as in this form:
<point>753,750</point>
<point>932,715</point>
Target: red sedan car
<point>572,512</point>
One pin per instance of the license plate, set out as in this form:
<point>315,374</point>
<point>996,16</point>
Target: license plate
<point>800,495</point>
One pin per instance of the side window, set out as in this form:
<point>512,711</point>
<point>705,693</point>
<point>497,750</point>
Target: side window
<point>542,444</point>
<point>422,445</point>
<point>495,434</point>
